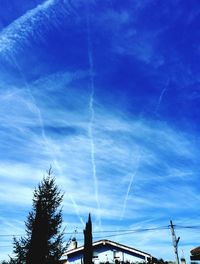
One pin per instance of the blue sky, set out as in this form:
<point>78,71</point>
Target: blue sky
<point>107,92</point>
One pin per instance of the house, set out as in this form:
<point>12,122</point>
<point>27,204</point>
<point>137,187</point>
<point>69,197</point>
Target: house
<point>105,251</point>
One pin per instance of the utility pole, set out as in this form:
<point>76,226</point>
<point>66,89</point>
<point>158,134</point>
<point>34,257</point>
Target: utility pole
<point>174,241</point>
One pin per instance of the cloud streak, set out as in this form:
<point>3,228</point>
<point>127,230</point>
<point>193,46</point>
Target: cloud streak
<point>138,157</point>
<point>19,30</point>
<point>92,113</point>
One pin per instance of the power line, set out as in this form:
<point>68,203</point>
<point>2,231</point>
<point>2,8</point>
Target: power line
<point>187,227</point>
<point>102,231</point>
<point>114,233</point>
<point>123,231</point>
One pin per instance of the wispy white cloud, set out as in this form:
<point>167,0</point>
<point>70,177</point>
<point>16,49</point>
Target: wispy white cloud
<point>18,31</point>
<point>117,141</point>
<point>136,42</point>
<point>28,27</point>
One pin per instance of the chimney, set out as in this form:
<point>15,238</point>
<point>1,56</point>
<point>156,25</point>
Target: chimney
<point>183,261</point>
<point>74,243</point>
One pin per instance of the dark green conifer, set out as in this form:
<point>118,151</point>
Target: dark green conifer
<point>88,251</point>
<point>43,243</point>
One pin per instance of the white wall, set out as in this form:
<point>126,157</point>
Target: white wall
<point>109,256</point>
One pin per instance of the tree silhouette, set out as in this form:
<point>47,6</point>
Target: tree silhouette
<point>88,251</point>
<point>43,242</point>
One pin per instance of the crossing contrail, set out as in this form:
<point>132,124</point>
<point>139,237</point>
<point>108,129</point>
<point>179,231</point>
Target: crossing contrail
<point>13,37</point>
<point>92,115</point>
<point>138,158</point>
<point>45,139</point>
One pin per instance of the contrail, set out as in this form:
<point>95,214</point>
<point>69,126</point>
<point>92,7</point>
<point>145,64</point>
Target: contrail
<point>92,114</point>
<point>45,139</point>
<point>24,26</point>
<point>130,185</point>
<point>16,33</point>
<point>160,98</point>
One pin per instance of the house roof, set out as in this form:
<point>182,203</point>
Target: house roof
<point>195,253</point>
<point>111,245</point>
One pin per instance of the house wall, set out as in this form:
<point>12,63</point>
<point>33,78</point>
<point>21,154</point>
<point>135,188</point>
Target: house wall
<point>112,255</point>
<point>108,255</point>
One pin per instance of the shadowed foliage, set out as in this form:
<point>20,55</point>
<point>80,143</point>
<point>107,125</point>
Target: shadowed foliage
<point>88,252</point>
<point>43,242</point>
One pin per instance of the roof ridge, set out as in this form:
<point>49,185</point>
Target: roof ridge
<point>112,243</point>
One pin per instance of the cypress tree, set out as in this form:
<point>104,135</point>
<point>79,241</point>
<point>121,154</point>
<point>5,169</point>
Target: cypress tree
<point>88,251</point>
<point>43,242</point>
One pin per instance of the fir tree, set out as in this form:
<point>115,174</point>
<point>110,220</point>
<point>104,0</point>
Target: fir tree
<point>43,242</point>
